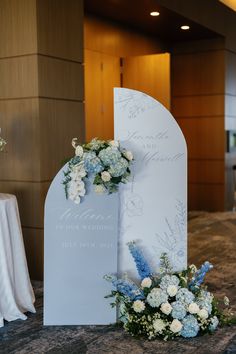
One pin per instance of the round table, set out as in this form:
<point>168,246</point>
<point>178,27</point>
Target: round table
<point>16,293</point>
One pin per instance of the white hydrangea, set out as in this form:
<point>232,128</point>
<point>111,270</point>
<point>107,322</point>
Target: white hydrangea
<point>129,155</point>
<point>203,313</point>
<point>159,325</point>
<point>176,326</point>
<point>193,308</point>
<point>99,189</point>
<point>172,290</point>
<point>114,143</point>
<point>166,308</point>
<point>79,151</point>
<point>146,283</point>
<point>156,297</point>
<point>138,306</point>
<point>105,176</point>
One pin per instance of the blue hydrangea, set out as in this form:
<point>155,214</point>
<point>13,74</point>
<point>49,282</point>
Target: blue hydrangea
<point>204,300</point>
<point>169,280</point>
<point>92,163</point>
<point>109,156</point>
<point>118,169</point>
<point>142,265</point>
<point>200,275</point>
<point>185,296</point>
<point>156,297</point>
<point>178,310</point>
<point>190,327</point>
<point>213,324</point>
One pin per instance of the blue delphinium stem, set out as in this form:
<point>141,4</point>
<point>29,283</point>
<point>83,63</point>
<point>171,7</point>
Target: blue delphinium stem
<point>200,275</point>
<point>126,287</point>
<point>142,265</point>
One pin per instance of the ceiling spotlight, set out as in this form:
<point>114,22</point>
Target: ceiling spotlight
<point>185,28</point>
<point>154,13</point>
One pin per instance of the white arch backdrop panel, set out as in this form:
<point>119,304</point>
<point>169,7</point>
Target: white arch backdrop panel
<point>80,247</point>
<point>153,205</point>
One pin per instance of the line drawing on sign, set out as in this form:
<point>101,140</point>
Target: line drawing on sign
<point>136,103</point>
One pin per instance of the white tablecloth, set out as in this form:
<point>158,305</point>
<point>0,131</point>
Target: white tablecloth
<point>16,293</point>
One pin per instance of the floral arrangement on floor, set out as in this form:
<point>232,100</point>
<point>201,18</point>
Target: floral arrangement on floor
<point>106,161</point>
<point>2,142</point>
<point>168,304</point>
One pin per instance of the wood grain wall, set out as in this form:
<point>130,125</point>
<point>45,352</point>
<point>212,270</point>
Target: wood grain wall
<point>198,97</point>
<point>105,44</point>
<point>111,38</point>
<point>41,104</point>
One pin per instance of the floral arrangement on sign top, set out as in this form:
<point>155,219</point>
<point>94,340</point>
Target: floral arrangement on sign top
<point>105,161</point>
<point>168,304</point>
<point>2,142</point>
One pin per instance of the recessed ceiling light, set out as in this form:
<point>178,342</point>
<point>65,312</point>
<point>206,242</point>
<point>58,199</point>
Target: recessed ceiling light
<point>185,28</point>
<point>154,13</point>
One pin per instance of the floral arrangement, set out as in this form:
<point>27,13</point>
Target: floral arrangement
<point>105,161</point>
<point>2,142</point>
<point>168,304</point>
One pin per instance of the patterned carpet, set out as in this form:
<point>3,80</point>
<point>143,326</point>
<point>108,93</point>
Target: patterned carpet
<point>211,237</point>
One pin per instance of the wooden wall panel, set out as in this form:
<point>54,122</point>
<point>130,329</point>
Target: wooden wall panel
<point>206,171</point>
<point>205,137</point>
<point>102,74</point>
<point>199,74</point>
<point>66,118</point>
<point>206,197</point>
<point>198,103</point>
<point>110,38</point>
<point>18,34</point>
<point>60,24</point>
<point>41,55</point>
<point>20,127</point>
<point>30,197</point>
<point>33,240</point>
<point>149,74</point>
<point>198,106</point>
<point>19,77</point>
<point>60,78</point>
<point>111,79</point>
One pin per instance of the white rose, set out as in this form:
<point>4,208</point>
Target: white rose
<point>193,308</point>
<point>203,313</point>
<point>99,189</point>
<point>146,283</point>
<point>176,326</point>
<point>79,151</point>
<point>159,325</point>
<point>166,308</point>
<point>138,306</point>
<point>129,155</point>
<point>172,290</point>
<point>114,143</point>
<point>105,176</point>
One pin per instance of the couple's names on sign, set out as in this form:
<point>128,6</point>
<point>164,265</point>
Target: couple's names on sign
<point>153,205</point>
<point>80,248</point>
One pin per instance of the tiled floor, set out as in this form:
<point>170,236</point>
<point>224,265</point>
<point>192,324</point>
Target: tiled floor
<point>211,237</point>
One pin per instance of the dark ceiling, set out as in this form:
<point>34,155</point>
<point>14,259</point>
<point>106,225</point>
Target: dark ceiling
<point>136,14</point>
